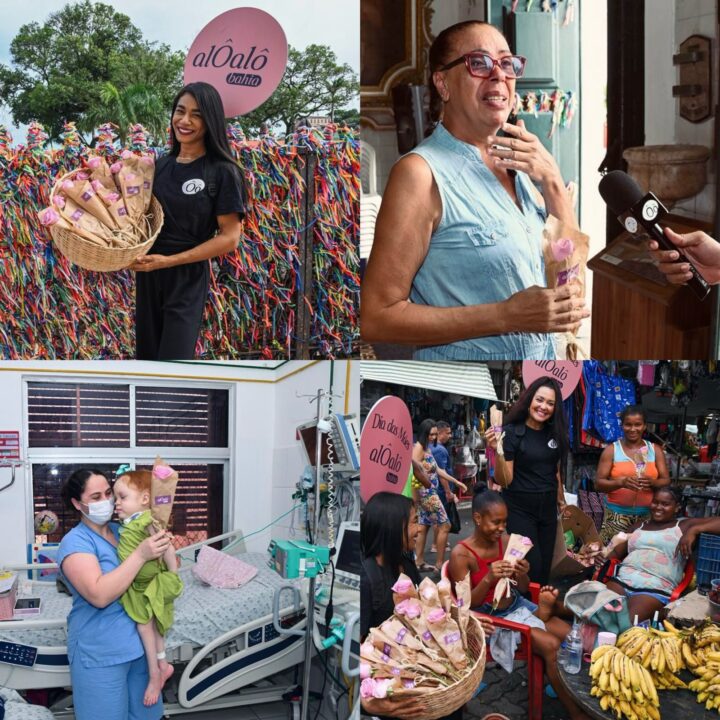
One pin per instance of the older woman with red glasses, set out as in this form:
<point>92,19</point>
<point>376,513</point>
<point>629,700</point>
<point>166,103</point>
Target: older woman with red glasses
<point>457,265</point>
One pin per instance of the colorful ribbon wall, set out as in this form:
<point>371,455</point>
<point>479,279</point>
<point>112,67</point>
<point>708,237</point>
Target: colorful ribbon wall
<point>51,309</point>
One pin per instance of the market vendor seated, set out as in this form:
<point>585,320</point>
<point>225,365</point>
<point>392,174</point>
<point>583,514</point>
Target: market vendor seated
<point>654,555</point>
<point>482,555</point>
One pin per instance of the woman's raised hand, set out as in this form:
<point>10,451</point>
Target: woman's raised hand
<point>153,547</point>
<point>491,437</point>
<point>521,150</point>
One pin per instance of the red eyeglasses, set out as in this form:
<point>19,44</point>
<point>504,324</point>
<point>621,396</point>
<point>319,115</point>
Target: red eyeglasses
<point>481,64</point>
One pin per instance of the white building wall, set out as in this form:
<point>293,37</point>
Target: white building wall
<point>663,123</point>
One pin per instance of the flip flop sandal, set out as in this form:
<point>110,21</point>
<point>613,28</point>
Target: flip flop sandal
<point>495,716</point>
<point>426,567</point>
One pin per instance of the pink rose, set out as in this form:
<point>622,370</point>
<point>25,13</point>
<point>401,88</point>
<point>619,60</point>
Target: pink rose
<point>96,185</point>
<point>364,670</point>
<point>410,607</point>
<point>49,216</point>
<point>367,650</point>
<point>437,615</point>
<point>82,176</point>
<point>382,688</point>
<point>126,154</point>
<point>59,201</point>
<point>112,197</point>
<point>67,185</point>
<point>162,471</point>
<point>116,167</point>
<point>562,248</point>
<point>94,162</point>
<point>147,160</point>
<point>367,688</point>
<point>402,586</point>
<point>428,593</point>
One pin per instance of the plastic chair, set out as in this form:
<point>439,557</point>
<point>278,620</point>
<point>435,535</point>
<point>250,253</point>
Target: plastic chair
<point>535,665</point>
<point>608,570</point>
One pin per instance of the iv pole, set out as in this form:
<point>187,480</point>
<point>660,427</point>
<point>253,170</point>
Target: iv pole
<point>311,590</point>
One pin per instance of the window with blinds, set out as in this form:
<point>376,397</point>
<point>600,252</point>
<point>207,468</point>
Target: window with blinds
<point>197,510</point>
<point>92,417</point>
<point>78,415</point>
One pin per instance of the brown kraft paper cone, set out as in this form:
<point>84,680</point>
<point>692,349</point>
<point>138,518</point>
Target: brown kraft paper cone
<point>162,492</point>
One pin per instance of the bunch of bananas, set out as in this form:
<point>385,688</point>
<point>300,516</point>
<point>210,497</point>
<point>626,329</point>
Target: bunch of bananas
<point>701,653</point>
<point>659,651</point>
<point>623,685</point>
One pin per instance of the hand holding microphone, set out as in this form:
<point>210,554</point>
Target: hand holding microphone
<point>699,248</point>
<point>640,215</point>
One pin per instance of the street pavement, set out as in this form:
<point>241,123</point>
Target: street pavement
<point>505,693</point>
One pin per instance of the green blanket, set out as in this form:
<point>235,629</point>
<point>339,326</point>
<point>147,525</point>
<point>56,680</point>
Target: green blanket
<point>152,592</point>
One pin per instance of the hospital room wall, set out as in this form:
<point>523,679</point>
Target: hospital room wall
<point>288,461</point>
<point>13,516</point>
<point>265,459</point>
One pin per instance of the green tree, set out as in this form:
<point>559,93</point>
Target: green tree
<point>133,104</point>
<point>313,84</point>
<point>61,68</point>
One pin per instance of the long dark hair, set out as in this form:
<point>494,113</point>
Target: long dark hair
<point>384,527</point>
<point>439,55</point>
<point>213,115</point>
<point>74,486</point>
<point>557,424</point>
<point>424,431</point>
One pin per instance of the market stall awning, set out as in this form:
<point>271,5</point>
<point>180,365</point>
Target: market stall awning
<point>460,378</point>
<point>706,398</point>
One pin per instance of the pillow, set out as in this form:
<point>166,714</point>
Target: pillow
<point>222,570</point>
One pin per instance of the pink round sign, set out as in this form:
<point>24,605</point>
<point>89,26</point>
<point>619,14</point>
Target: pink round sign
<point>243,54</point>
<point>385,448</point>
<point>566,372</point>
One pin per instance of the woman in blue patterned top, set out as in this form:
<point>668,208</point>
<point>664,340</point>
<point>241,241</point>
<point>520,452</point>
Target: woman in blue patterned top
<point>457,264</point>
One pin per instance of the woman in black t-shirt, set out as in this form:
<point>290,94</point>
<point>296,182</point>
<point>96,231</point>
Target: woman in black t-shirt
<point>202,195</point>
<point>532,469</point>
<point>388,530</point>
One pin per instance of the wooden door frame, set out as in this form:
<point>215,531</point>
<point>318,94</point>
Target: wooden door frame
<point>625,88</point>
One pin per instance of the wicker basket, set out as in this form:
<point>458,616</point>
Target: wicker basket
<point>446,700</point>
<point>87,255</point>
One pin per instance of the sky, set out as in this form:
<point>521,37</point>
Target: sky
<point>335,23</point>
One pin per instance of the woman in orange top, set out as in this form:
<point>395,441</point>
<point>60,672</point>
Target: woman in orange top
<point>629,470</point>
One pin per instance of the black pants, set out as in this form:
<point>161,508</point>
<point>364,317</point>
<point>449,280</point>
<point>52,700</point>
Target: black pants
<point>535,516</point>
<point>169,306</point>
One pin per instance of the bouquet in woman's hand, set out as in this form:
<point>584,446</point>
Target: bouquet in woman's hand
<point>565,250</point>
<point>423,646</point>
<point>517,548</point>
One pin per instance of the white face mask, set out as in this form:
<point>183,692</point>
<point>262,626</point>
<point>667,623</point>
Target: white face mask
<point>100,512</point>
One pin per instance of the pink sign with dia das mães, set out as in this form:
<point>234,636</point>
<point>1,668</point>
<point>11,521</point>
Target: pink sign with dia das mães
<point>385,448</point>
<point>242,54</point>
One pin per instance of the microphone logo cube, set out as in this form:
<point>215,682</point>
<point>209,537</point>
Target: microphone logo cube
<point>650,210</point>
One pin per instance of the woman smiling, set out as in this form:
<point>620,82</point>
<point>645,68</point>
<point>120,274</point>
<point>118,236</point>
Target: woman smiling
<point>457,264</point>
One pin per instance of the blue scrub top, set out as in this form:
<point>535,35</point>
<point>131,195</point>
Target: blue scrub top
<point>97,637</point>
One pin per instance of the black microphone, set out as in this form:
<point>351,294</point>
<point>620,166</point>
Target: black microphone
<point>639,214</point>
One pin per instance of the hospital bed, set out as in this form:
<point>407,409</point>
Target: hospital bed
<point>223,643</point>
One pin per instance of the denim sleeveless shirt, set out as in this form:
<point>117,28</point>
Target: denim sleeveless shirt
<point>484,249</point>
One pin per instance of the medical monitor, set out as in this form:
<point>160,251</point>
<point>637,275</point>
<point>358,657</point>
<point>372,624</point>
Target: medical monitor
<point>344,444</point>
<point>347,555</point>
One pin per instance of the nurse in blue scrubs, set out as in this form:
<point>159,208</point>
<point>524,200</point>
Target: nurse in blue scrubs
<point>107,660</point>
